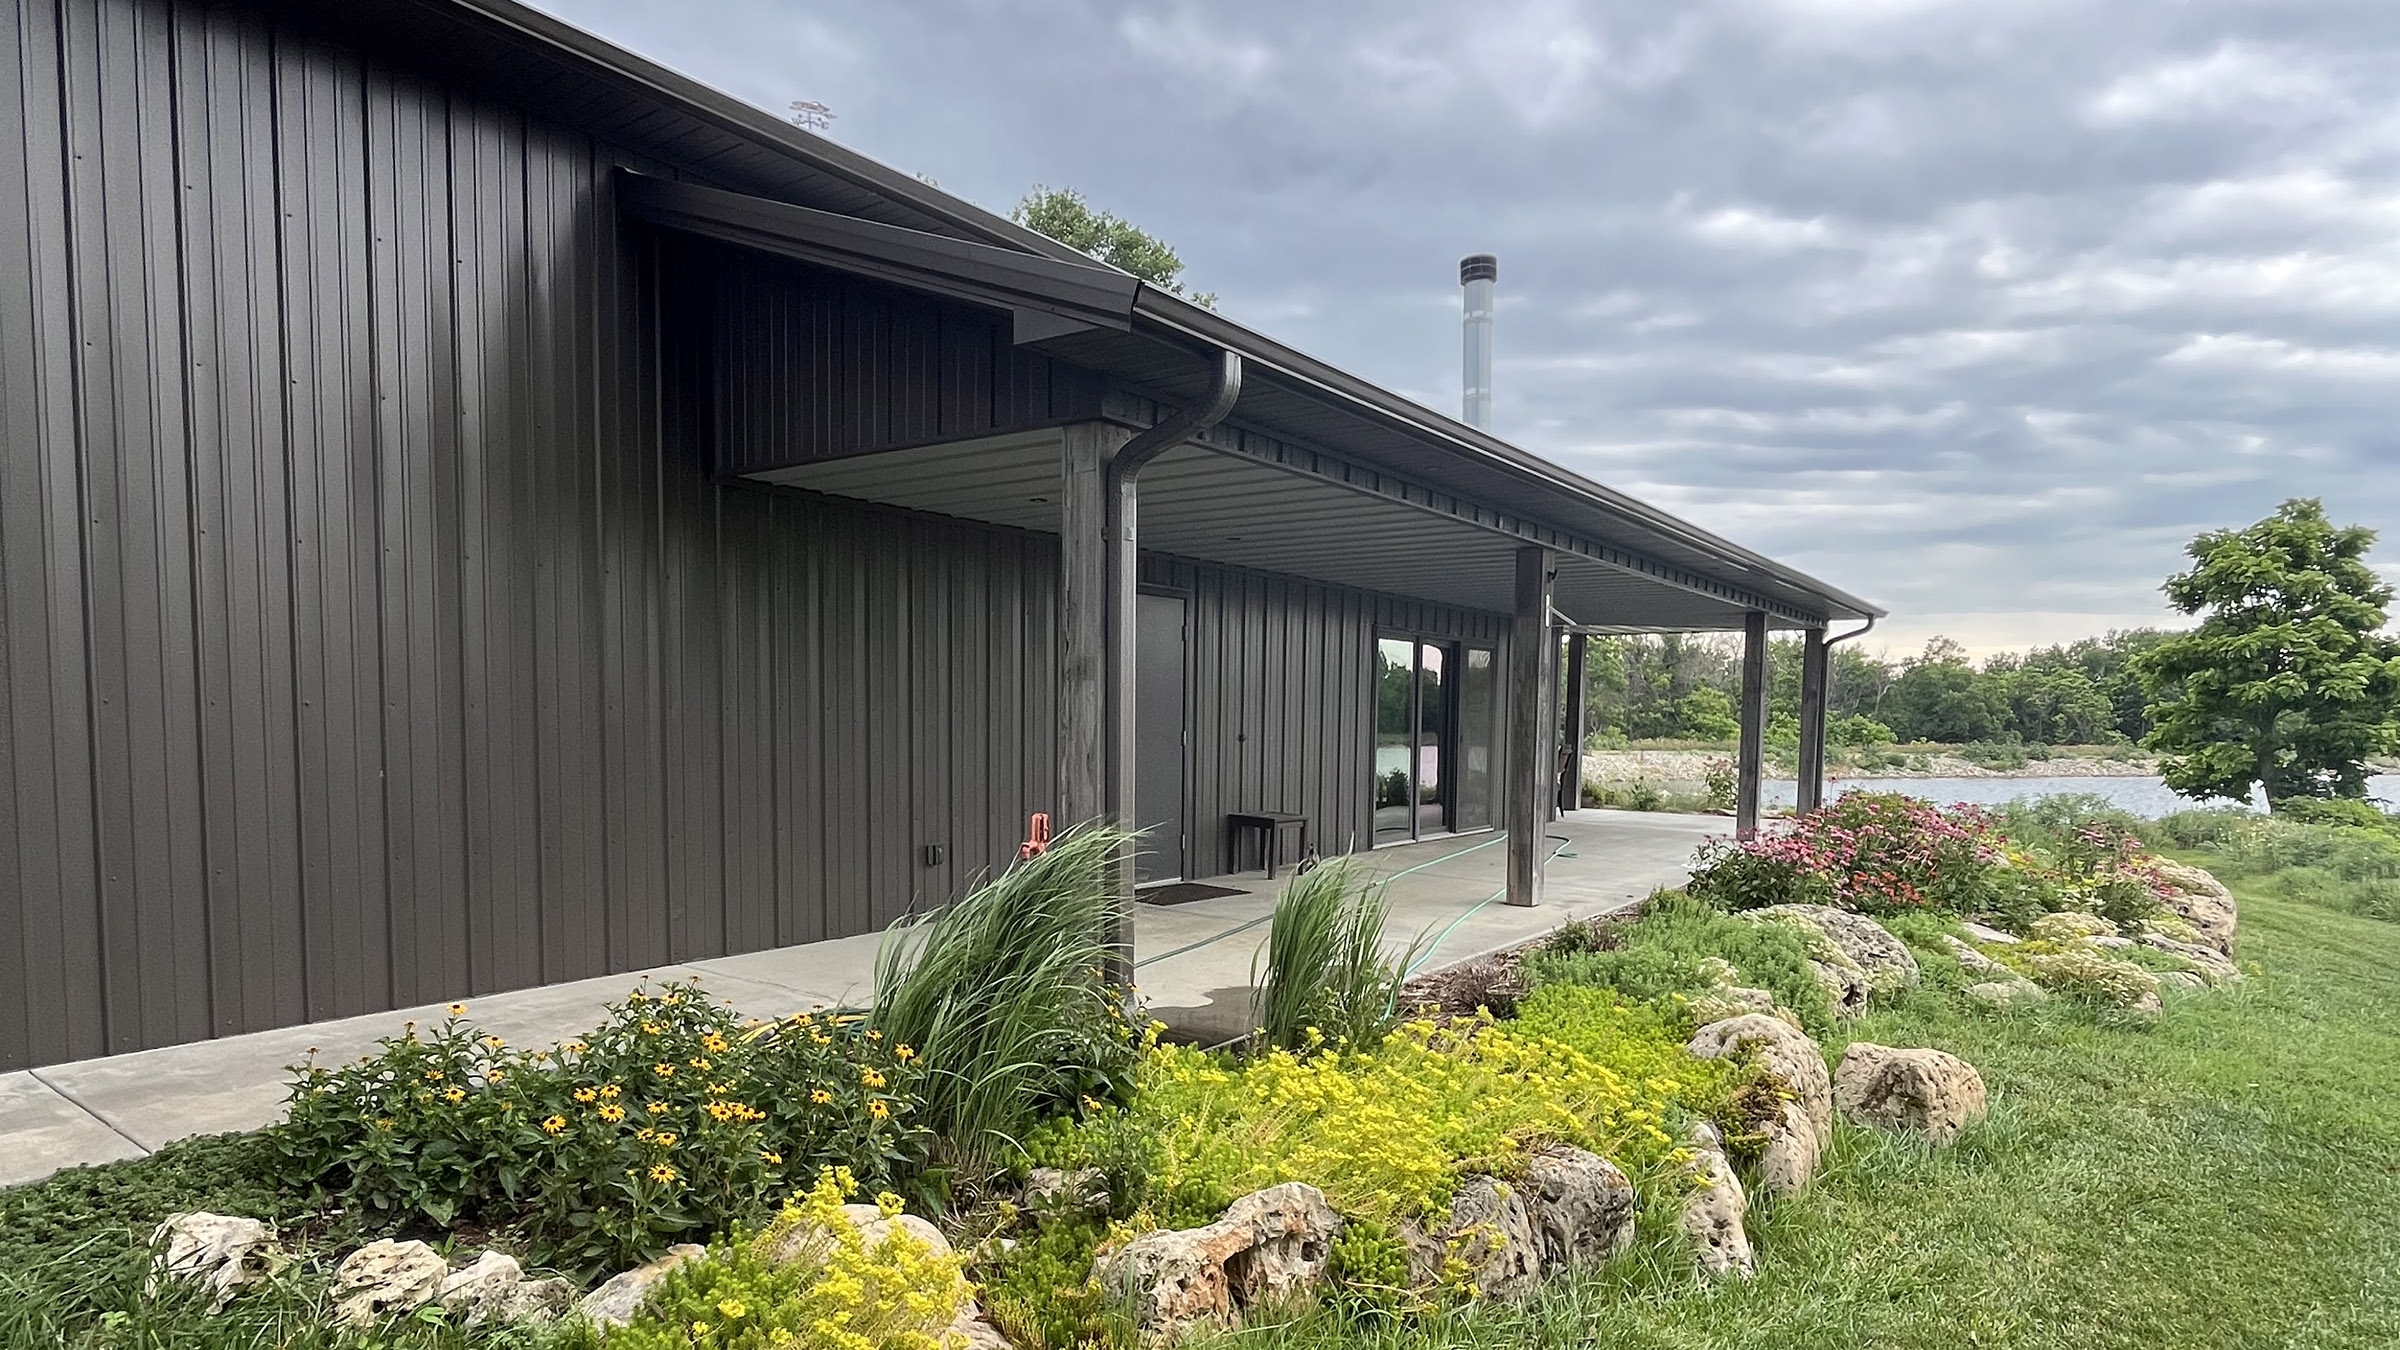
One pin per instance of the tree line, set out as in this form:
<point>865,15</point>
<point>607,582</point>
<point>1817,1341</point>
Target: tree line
<point>1686,686</point>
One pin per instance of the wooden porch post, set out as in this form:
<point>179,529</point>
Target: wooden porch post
<point>1750,762</point>
<point>1532,674</point>
<point>1097,579</point>
<point>1570,785</point>
<point>1815,661</point>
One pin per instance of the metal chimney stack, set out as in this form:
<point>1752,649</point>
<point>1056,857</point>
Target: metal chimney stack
<point>1477,272</point>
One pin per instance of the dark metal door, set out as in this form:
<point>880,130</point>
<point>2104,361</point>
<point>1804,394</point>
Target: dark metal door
<point>1158,748</point>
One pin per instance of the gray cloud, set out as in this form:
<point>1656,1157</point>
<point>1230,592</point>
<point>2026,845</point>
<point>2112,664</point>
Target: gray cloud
<point>1981,309</point>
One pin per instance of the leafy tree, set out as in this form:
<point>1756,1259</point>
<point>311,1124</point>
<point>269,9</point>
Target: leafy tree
<point>2056,705</point>
<point>1706,714</point>
<point>1857,729</point>
<point>1065,216</point>
<point>1939,697</point>
<point>2288,683</point>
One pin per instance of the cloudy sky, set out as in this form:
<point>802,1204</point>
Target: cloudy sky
<point>1980,309</point>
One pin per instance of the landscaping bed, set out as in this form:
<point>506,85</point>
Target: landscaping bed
<point>1898,1074</point>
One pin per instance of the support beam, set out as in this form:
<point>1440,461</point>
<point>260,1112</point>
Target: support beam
<point>1086,576</point>
<point>1750,762</point>
<point>1815,664</point>
<point>1578,719</point>
<point>1532,675</point>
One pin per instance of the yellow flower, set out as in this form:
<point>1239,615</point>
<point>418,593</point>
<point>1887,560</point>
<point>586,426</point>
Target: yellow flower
<point>493,1075</point>
<point>732,1309</point>
<point>649,1028</point>
<point>699,1328</point>
<point>663,1070</point>
<point>645,1134</point>
<point>384,1124</point>
<point>554,1124</point>
<point>612,1114</point>
<point>871,1077</point>
<point>659,1108</point>
<point>662,1173</point>
<point>458,1010</point>
<point>700,1063</point>
<point>903,1052</point>
<point>821,1097</point>
<point>874,1035</point>
<point>772,1159</point>
<point>666,1139</point>
<point>433,1075</point>
<point>455,1096</point>
<point>719,1112</point>
<point>495,1042</point>
<point>610,1092</point>
<point>878,1110</point>
<point>585,1096</point>
<point>713,1043</point>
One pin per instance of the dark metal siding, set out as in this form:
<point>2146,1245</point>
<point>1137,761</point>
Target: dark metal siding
<point>1282,697</point>
<point>373,633</point>
<point>882,367</point>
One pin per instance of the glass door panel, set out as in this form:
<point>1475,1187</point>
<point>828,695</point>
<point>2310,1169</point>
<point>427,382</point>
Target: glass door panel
<point>1478,682</point>
<point>1433,725</point>
<point>1395,722</point>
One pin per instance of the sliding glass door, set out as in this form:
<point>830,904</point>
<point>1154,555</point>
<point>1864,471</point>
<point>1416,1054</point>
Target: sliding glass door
<point>1433,738</point>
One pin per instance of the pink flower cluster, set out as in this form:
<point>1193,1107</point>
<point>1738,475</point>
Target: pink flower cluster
<point>1882,851</point>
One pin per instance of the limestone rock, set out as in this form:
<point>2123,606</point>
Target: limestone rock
<point>1713,1213</point>
<point>614,1302</point>
<point>2004,995</point>
<point>539,1302</point>
<point>972,1329</point>
<point>2110,942</point>
<point>2214,966</point>
<point>1884,961</point>
<point>223,1251</point>
<point>2200,900</point>
<point>1268,1245</point>
<point>2068,926</point>
<point>1788,1054</point>
<point>1971,960</point>
<point>1581,1207</point>
<point>1490,1231</point>
<point>1977,932</point>
<point>385,1278</point>
<point>1794,1146</point>
<point>1925,1091</point>
<point>2182,979</point>
<point>483,1289</point>
<point>1050,1190</point>
<point>874,1228</point>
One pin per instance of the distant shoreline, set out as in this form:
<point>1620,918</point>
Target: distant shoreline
<point>1692,766</point>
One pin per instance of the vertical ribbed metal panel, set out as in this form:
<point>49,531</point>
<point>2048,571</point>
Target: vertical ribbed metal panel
<point>372,630</point>
<point>1281,712</point>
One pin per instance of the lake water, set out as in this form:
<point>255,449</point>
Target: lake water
<point>2141,796</point>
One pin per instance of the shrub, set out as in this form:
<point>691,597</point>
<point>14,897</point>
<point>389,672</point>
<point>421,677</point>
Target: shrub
<point>2198,829</point>
<point>1388,1132</point>
<point>1684,947</point>
<point>1858,729</point>
<point>1719,781</point>
<point>2048,822</point>
<point>665,1123</point>
<point>1326,975</point>
<point>2339,811</point>
<point>1872,852</point>
<point>1005,992</point>
<point>1644,797</point>
<point>809,1281</point>
<point>2068,927</point>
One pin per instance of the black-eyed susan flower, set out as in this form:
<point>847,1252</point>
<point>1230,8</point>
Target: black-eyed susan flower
<point>585,1096</point>
<point>878,1110</point>
<point>554,1124</point>
<point>612,1114</point>
<point>821,1097</point>
<point>458,1010</point>
<point>661,1173</point>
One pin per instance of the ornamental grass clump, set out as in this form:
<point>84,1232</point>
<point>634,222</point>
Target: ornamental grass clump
<point>670,1120</point>
<point>1004,993</point>
<point>1326,976</point>
<point>810,1280</point>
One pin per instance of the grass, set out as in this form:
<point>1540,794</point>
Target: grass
<point>1002,994</point>
<point>1325,968</point>
<point>2221,1180</point>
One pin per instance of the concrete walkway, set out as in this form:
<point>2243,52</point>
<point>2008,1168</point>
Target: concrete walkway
<point>1193,967</point>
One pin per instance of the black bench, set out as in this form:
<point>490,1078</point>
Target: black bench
<point>1269,827</point>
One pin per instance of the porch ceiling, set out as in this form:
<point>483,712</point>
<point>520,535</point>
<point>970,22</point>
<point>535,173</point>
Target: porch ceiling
<point>1207,505</point>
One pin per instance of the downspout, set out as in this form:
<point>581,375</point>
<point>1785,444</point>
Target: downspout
<point>1804,795</point>
<point>1123,496</point>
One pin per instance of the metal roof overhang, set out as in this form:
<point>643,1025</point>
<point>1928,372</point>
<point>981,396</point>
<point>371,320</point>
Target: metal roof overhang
<point>523,55</point>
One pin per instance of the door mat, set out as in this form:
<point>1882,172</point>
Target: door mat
<point>1182,893</point>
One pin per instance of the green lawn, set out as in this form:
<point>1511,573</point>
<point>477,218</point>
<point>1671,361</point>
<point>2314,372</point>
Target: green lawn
<point>2228,1178</point>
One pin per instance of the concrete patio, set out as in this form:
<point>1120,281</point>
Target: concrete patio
<point>1193,965</point>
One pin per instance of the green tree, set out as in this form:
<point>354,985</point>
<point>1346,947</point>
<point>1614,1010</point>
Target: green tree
<point>1939,697</point>
<point>1065,216</point>
<point>2288,684</point>
<point>2056,705</point>
<point>1706,714</point>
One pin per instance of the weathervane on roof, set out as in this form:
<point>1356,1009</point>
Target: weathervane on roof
<point>811,115</point>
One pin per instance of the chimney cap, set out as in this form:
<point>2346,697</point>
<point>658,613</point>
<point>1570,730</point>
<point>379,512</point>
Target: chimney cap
<point>1478,267</point>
